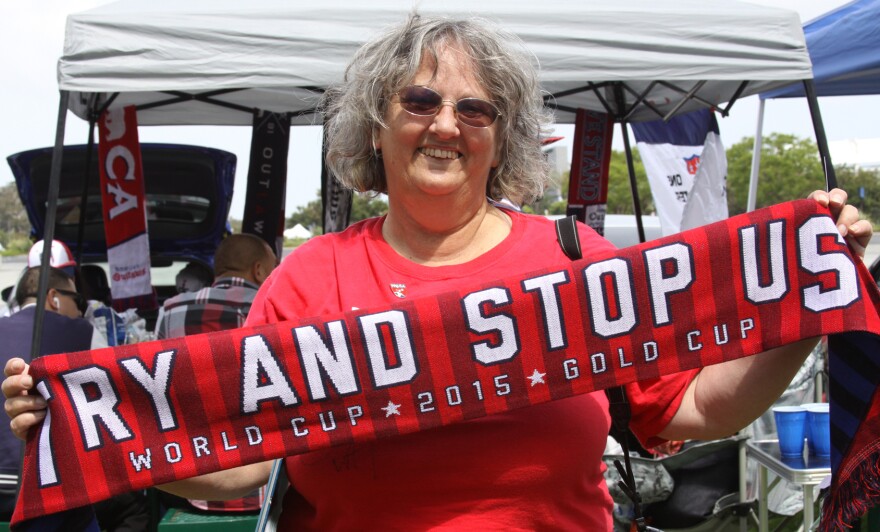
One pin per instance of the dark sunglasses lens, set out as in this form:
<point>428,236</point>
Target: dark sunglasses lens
<point>81,303</point>
<point>476,112</point>
<point>420,100</point>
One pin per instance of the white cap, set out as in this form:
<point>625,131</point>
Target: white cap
<point>61,257</point>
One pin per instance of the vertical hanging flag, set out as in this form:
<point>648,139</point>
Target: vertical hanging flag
<point>125,212</point>
<point>267,178</point>
<point>591,157</point>
<point>336,201</point>
<point>687,169</point>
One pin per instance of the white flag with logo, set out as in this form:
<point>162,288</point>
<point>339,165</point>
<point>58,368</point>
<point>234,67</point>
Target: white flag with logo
<point>687,169</point>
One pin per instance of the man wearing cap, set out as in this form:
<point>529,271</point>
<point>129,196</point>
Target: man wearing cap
<point>64,331</point>
<point>59,257</point>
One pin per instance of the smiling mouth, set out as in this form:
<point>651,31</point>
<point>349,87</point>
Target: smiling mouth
<point>439,154</point>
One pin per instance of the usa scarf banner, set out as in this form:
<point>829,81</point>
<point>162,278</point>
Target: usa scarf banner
<point>133,416</point>
<point>125,212</point>
<point>588,179</point>
<point>267,178</point>
<point>687,169</point>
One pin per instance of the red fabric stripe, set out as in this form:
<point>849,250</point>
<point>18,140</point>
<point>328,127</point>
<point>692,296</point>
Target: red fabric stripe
<point>207,376</point>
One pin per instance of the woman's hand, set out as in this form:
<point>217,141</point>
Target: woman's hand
<point>856,232</point>
<point>26,410</point>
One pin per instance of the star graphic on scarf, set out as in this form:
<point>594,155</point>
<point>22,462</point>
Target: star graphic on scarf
<point>392,409</point>
<point>537,378</point>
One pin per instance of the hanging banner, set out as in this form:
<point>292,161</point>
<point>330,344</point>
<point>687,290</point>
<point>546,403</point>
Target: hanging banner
<point>687,169</point>
<point>335,202</point>
<point>125,418</point>
<point>590,160</point>
<point>267,178</point>
<point>123,199</point>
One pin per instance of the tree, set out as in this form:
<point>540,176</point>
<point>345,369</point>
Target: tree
<point>790,169</point>
<point>14,224</point>
<point>311,217</point>
<point>863,187</point>
<point>365,206</point>
<point>620,199</point>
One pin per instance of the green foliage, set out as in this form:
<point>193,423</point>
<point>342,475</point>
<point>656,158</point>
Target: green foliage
<point>14,224</point>
<point>852,179</point>
<point>790,169</point>
<point>620,200</point>
<point>310,215</point>
<point>365,206</point>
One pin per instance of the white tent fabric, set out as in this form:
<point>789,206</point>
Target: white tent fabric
<point>278,55</point>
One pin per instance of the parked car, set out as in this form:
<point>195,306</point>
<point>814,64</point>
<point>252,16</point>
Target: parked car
<point>188,196</point>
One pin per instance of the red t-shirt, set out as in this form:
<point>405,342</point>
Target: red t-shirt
<point>530,469</point>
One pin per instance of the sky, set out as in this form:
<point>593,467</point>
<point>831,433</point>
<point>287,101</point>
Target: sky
<point>32,38</point>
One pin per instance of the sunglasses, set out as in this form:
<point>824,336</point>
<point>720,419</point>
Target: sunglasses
<point>422,101</point>
<point>78,299</point>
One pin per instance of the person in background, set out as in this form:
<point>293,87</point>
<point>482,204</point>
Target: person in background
<point>59,257</point>
<point>64,330</point>
<point>242,262</point>
<point>193,277</point>
<point>446,117</point>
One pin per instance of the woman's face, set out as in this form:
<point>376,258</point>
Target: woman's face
<point>433,156</point>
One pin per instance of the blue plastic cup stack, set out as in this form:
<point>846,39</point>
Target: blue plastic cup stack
<point>791,428</point>
<point>818,429</point>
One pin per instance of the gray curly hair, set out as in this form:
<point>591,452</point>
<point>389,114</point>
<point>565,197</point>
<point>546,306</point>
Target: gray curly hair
<point>383,66</point>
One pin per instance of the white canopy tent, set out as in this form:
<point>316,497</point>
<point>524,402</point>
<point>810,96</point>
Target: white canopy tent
<point>169,57</point>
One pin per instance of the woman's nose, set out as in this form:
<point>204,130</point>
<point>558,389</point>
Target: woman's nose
<point>445,122</point>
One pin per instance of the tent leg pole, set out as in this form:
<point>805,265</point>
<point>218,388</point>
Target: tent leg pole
<point>84,194</point>
<point>637,206</point>
<point>624,130</point>
<point>48,236</point>
<point>49,228</point>
<point>819,129</point>
<point>756,159</point>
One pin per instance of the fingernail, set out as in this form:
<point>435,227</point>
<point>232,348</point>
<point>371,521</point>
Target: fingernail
<point>837,198</point>
<point>843,229</point>
<point>27,381</point>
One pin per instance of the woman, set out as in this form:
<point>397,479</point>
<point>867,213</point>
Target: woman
<point>439,115</point>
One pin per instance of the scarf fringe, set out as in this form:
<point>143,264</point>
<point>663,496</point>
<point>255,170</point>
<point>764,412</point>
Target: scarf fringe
<point>854,497</point>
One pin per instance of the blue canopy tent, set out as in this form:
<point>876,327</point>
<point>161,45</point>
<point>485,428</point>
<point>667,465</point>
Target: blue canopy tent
<point>844,47</point>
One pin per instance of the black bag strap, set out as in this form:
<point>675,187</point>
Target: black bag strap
<point>618,404</point>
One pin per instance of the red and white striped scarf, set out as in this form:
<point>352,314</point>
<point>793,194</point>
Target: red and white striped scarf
<point>135,416</point>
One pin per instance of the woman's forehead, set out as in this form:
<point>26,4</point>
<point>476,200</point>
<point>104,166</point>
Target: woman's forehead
<point>451,62</point>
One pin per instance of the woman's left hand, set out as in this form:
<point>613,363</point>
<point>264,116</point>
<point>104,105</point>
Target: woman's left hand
<point>856,231</point>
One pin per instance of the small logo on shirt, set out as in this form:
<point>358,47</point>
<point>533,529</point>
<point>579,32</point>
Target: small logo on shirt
<point>398,289</point>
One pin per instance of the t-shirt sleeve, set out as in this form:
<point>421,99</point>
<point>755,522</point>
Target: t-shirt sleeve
<point>262,310</point>
<point>654,403</point>
<point>298,288</point>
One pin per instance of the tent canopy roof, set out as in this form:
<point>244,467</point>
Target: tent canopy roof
<point>843,45</point>
<point>278,55</point>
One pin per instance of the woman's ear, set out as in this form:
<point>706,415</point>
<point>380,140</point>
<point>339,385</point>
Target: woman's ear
<point>377,142</point>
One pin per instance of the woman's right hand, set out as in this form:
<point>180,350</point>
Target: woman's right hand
<point>26,410</point>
